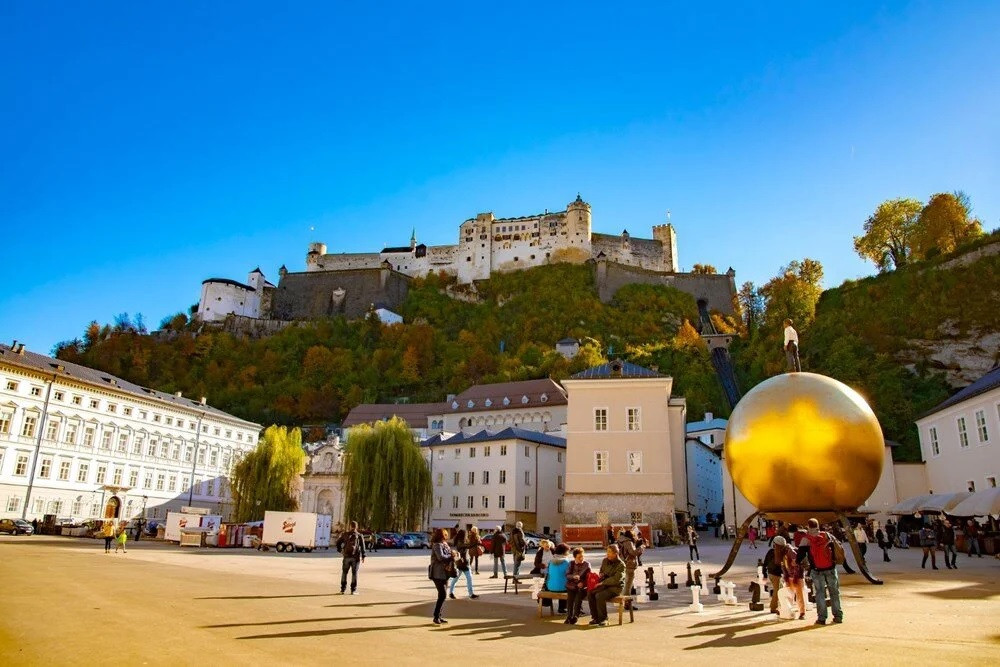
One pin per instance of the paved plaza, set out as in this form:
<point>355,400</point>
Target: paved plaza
<point>66,602</point>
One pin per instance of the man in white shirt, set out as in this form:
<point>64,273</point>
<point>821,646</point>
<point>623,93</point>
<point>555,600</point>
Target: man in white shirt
<point>792,348</point>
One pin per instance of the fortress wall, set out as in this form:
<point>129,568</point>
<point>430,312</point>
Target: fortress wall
<point>717,290</point>
<point>645,253</point>
<point>347,261</point>
<point>310,295</point>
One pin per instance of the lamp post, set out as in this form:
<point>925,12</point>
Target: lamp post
<point>142,518</point>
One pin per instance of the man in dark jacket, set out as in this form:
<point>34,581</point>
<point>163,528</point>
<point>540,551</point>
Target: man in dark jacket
<point>352,546</point>
<point>946,538</point>
<point>612,582</point>
<point>498,549</point>
<point>773,570</point>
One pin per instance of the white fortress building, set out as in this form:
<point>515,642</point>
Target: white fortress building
<point>487,244</point>
<point>222,296</point>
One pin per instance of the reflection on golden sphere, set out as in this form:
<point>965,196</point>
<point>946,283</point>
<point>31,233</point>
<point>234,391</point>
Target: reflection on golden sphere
<point>802,442</point>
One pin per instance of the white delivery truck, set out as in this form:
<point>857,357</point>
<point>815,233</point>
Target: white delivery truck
<point>296,531</point>
<point>176,521</point>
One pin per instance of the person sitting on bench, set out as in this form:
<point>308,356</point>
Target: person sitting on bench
<point>612,575</point>
<point>555,575</point>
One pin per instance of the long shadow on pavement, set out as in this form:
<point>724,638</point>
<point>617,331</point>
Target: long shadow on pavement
<point>730,637</point>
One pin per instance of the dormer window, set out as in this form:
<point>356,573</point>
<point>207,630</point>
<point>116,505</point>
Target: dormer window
<point>506,401</point>
<point>488,402</point>
<point>524,400</point>
<point>544,398</point>
<point>470,404</point>
<point>454,405</point>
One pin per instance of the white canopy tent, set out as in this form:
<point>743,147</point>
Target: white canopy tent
<point>980,503</point>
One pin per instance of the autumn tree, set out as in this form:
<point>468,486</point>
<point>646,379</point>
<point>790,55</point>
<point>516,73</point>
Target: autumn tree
<point>388,483</point>
<point>888,237</point>
<point>751,306</point>
<point>265,478</point>
<point>793,293</point>
<point>944,224</point>
<point>704,269</point>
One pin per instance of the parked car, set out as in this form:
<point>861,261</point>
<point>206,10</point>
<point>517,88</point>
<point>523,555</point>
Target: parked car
<point>532,540</point>
<point>16,527</point>
<point>488,544</point>
<point>391,541</point>
<point>416,541</point>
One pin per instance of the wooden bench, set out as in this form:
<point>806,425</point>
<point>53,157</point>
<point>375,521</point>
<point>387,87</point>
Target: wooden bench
<point>619,600</point>
<point>510,578</point>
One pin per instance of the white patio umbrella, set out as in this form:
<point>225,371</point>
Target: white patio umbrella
<point>910,505</point>
<point>942,502</point>
<point>979,503</point>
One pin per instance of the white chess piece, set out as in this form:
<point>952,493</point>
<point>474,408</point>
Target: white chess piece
<point>729,588</point>
<point>696,605</point>
<point>663,575</point>
<point>536,587</point>
<point>705,590</point>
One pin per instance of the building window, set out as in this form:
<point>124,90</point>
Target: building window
<point>5,419</point>
<point>58,395</point>
<point>559,482</point>
<point>486,477</point>
<point>28,428</point>
<point>972,486</point>
<point>172,482</point>
<point>527,502</point>
<point>112,407</point>
<point>106,439</point>
<point>117,477</point>
<point>81,473</point>
<point>46,468</point>
<point>36,391</point>
<point>11,385</point>
<point>486,450</point>
<point>486,502</point>
<point>213,459</point>
<point>188,454</point>
<point>503,450</point>
<point>502,502</point>
<point>37,505</point>
<point>636,517</point>
<point>70,436</point>
<point>991,482</point>
<point>123,442</point>
<point>156,418</point>
<point>77,400</point>
<point>527,478</point>
<point>935,447</point>
<point>558,457</point>
<point>216,430</point>
<point>632,422</point>
<point>143,414</point>
<point>456,479</point>
<point>440,479</point>
<point>454,502</point>
<point>503,476</point>
<point>201,454</point>
<point>52,430</point>
<point>102,474</point>
<point>64,467</point>
<point>634,461</point>
<point>440,455</point>
<point>963,436</point>
<point>160,480</point>
<point>147,481</point>
<point>472,452</point>
<point>559,506</point>
<point>127,411</point>
<point>137,444</point>
<point>88,436</point>
<point>439,502</point>
<point>600,419</point>
<point>133,478</point>
<point>471,502</point>
<point>601,461</point>
<point>472,478</point>
<point>94,403</point>
<point>984,435</point>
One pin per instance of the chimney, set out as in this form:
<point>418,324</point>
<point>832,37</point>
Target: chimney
<point>20,349</point>
<point>13,346</point>
<point>202,401</point>
<point>709,416</point>
<point>178,394</point>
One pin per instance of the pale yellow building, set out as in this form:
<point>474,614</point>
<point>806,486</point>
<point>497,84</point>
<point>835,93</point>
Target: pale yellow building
<point>624,447</point>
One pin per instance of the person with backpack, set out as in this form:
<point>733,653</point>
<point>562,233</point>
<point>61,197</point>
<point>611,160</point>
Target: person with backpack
<point>352,546</point>
<point>772,569</point>
<point>498,547</point>
<point>576,584</point>
<point>824,553</point>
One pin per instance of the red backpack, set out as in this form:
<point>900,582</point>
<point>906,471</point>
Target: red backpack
<point>592,580</point>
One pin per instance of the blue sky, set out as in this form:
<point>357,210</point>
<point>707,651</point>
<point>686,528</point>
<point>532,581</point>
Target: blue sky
<point>145,147</point>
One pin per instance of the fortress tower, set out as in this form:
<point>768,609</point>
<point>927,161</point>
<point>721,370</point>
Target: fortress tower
<point>668,238</point>
<point>578,220</point>
<point>316,252</point>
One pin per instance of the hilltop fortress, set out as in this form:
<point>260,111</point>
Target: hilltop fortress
<point>351,284</point>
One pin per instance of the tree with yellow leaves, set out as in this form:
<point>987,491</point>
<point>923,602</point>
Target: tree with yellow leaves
<point>888,236</point>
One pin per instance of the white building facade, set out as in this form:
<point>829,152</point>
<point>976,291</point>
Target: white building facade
<point>958,438</point>
<point>79,443</point>
<point>221,297</point>
<point>493,478</point>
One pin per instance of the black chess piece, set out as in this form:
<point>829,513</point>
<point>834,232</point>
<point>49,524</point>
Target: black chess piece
<point>755,603</point>
<point>690,581</point>
<point>673,585</point>
<point>697,576</point>
<point>717,589</point>
<point>651,584</point>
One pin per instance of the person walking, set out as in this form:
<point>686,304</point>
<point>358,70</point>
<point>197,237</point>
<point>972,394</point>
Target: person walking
<point>884,541</point>
<point>108,532</point>
<point>928,542</point>
<point>792,348</point>
<point>820,549</point>
<point>440,570</point>
<point>862,538</point>
<point>752,536</point>
<point>972,538</point>
<point>946,538</point>
<point>461,569</point>
<point>122,537</point>
<point>791,572</point>
<point>475,544</point>
<point>692,540</point>
<point>772,568</point>
<point>498,547</point>
<point>612,580</point>
<point>576,584</point>
<point>517,546</point>
<point>351,545</point>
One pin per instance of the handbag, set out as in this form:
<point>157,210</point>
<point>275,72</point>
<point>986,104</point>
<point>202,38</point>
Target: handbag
<point>477,550</point>
<point>592,580</point>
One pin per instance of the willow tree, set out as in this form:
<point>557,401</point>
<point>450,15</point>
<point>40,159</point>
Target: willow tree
<point>388,483</point>
<point>265,478</point>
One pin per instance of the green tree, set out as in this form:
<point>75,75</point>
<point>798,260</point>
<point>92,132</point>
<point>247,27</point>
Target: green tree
<point>265,478</point>
<point>751,307</point>
<point>888,237</point>
<point>944,224</point>
<point>388,483</point>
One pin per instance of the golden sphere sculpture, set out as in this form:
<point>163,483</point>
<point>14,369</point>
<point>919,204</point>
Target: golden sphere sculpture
<point>802,444</point>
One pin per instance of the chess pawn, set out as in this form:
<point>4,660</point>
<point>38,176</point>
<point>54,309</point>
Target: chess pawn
<point>696,605</point>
